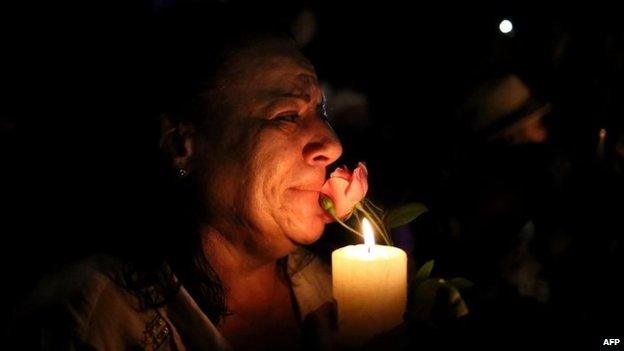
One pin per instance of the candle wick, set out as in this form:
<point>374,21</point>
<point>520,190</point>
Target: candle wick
<point>369,248</point>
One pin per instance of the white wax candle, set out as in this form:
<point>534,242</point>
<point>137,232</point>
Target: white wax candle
<point>370,289</point>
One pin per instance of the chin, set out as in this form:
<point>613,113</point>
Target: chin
<point>309,232</point>
<point>306,220</point>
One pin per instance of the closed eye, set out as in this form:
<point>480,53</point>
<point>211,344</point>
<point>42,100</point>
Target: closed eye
<point>288,117</point>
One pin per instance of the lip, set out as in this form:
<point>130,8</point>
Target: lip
<point>309,190</point>
<point>325,217</point>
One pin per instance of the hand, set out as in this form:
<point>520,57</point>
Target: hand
<point>395,339</point>
<point>320,332</point>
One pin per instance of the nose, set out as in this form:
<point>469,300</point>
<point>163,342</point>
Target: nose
<point>322,150</point>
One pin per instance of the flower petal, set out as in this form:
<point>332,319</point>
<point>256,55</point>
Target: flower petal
<point>341,172</point>
<point>346,189</point>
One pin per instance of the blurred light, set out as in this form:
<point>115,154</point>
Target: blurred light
<point>505,26</point>
<point>600,149</point>
<point>603,133</point>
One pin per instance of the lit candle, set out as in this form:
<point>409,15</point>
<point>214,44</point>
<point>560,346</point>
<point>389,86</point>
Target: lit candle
<point>370,288</point>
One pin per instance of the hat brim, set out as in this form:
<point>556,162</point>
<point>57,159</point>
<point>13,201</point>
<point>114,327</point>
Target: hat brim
<point>527,109</point>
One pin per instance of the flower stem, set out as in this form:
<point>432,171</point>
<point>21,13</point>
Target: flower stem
<point>375,220</point>
<point>347,227</point>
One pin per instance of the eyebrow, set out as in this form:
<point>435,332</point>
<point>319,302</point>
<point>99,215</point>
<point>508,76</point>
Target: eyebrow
<point>304,89</point>
<point>305,97</point>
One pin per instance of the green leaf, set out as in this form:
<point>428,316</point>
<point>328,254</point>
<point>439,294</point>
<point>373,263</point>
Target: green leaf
<point>423,272</point>
<point>427,290</point>
<point>461,283</point>
<point>422,299</point>
<point>400,216</point>
<point>436,299</point>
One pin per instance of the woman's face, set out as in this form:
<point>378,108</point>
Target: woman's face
<point>262,170</point>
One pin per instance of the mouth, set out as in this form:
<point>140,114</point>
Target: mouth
<point>307,190</point>
<point>309,194</point>
<point>314,195</point>
<point>312,185</point>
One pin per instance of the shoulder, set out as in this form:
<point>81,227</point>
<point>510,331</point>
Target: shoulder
<point>311,280</point>
<point>306,263</point>
<point>86,302</point>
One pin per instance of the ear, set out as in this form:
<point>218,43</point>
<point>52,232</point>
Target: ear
<point>176,141</point>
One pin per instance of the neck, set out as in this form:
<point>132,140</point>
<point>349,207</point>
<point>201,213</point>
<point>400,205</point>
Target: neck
<point>237,267</point>
<point>262,312</point>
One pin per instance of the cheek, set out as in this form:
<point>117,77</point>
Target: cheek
<point>276,166</point>
<point>302,215</point>
<point>294,212</point>
<point>227,177</point>
<point>263,183</point>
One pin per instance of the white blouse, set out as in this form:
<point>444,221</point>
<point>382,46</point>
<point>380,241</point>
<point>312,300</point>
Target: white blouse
<point>84,308</point>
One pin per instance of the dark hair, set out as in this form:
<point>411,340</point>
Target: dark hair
<point>194,40</point>
<point>190,43</point>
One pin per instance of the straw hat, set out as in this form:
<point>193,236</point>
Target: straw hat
<point>504,109</point>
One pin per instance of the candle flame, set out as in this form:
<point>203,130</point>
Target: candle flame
<point>603,133</point>
<point>369,235</point>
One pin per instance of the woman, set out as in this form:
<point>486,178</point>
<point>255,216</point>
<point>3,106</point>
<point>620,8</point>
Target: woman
<point>243,129</point>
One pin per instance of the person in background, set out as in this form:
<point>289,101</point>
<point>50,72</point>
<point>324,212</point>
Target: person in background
<point>498,197</point>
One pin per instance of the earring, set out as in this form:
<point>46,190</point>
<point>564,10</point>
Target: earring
<point>181,172</point>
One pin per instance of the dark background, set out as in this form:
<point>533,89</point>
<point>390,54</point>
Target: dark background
<point>77,139</point>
